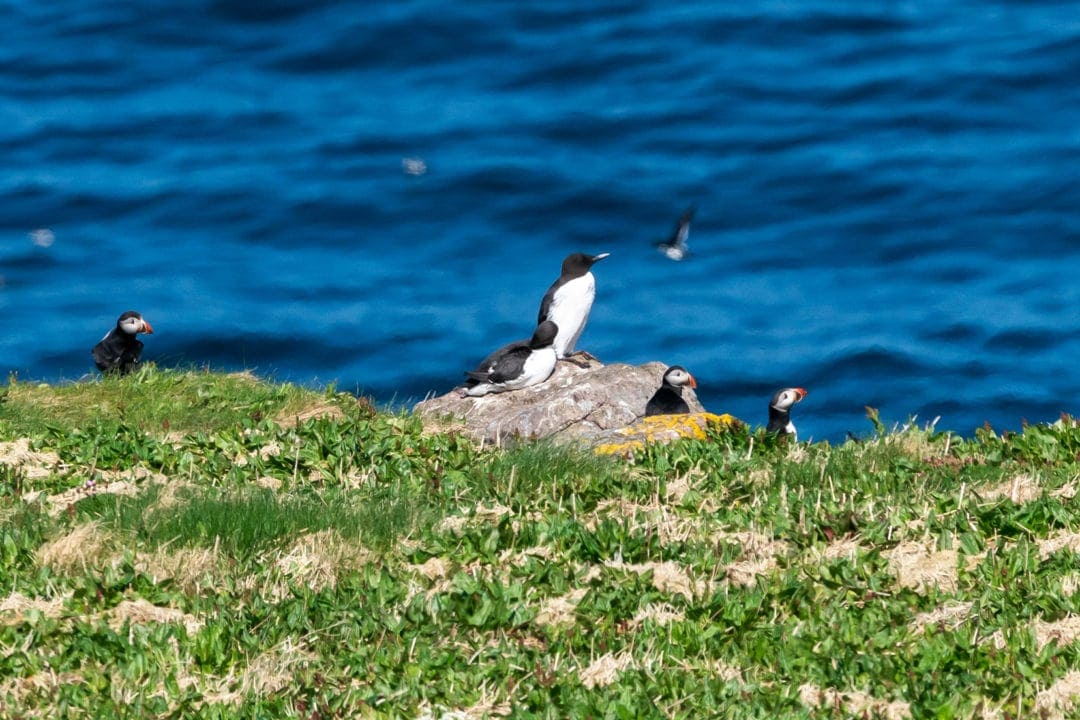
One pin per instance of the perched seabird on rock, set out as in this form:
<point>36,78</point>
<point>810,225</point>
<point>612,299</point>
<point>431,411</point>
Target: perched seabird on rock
<point>119,351</point>
<point>569,299</point>
<point>780,411</point>
<point>668,399</point>
<point>675,247</point>
<point>519,366</point>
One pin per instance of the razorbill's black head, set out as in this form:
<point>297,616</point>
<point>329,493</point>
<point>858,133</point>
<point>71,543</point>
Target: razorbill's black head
<point>119,351</point>
<point>780,410</point>
<point>521,365</point>
<point>569,300</point>
<point>668,399</point>
<point>675,247</point>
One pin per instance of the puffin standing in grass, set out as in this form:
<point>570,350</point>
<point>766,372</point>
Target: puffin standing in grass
<point>517,365</point>
<point>675,247</point>
<point>668,399</point>
<point>569,300</point>
<point>119,351</point>
<point>780,411</point>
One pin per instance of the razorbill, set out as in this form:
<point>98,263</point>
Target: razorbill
<point>780,411</point>
<point>569,299</point>
<point>668,399</point>
<point>520,366</point>
<point>675,247</point>
<point>119,351</point>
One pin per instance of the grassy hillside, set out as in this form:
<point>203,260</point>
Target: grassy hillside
<point>188,544</point>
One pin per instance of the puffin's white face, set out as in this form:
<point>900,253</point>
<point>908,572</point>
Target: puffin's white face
<point>679,377</point>
<point>134,325</point>
<point>784,399</point>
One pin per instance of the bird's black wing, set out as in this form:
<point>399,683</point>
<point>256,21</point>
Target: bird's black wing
<point>510,365</point>
<point>480,372</point>
<point>106,353</point>
<point>545,304</point>
<point>489,362</point>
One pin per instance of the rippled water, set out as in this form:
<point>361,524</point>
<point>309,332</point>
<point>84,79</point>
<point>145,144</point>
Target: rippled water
<point>376,194</point>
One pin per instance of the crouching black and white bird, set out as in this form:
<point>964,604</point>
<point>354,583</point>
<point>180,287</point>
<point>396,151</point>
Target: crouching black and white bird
<point>675,247</point>
<point>120,350</point>
<point>518,365</point>
<point>668,399</point>
<point>780,411</point>
<point>569,300</point>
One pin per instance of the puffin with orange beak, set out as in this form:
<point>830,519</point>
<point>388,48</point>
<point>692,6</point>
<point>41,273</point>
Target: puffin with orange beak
<point>780,411</point>
<point>119,351</point>
<point>668,399</point>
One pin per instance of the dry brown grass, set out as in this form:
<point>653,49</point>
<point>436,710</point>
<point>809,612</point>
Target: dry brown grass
<point>658,613</point>
<point>1060,699</point>
<point>853,703</point>
<point>15,608</point>
<point>560,610</point>
<point>86,545</point>
<point>295,416</point>
<point>1062,632</point>
<point>918,567</point>
<point>605,669</point>
<point>949,616</point>
<point>43,684</point>
<point>264,675</point>
<point>141,612</point>
<point>32,464</point>
<point>669,577</point>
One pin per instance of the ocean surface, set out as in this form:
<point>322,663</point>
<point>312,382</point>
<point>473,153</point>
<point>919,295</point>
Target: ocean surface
<point>376,194</point>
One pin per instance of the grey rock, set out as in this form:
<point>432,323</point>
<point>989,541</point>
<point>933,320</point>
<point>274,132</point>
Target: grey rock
<point>575,403</point>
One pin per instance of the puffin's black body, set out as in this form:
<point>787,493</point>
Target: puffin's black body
<point>120,350</point>
<point>569,300</point>
<point>676,247</point>
<point>780,410</point>
<point>668,399</point>
<point>516,365</point>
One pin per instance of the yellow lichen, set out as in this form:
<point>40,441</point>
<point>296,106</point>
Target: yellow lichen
<point>665,429</point>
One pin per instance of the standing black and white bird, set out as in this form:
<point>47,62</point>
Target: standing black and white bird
<point>119,351</point>
<point>519,365</point>
<point>780,411</point>
<point>569,300</point>
<point>668,399</point>
<point>675,247</point>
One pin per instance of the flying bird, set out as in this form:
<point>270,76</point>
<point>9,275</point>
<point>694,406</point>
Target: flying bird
<point>675,247</point>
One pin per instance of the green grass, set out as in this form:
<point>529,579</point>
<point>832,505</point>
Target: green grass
<point>150,400</point>
<point>355,565</point>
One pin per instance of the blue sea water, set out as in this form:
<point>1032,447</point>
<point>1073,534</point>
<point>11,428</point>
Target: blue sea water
<point>378,193</point>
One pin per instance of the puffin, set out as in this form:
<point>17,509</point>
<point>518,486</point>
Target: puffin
<point>780,411</point>
<point>668,399</point>
<point>675,247</point>
<point>569,299</point>
<point>519,366</point>
<point>119,351</point>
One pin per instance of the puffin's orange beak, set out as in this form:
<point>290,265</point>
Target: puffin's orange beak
<point>693,382</point>
<point>146,328</point>
<point>802,393</point>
